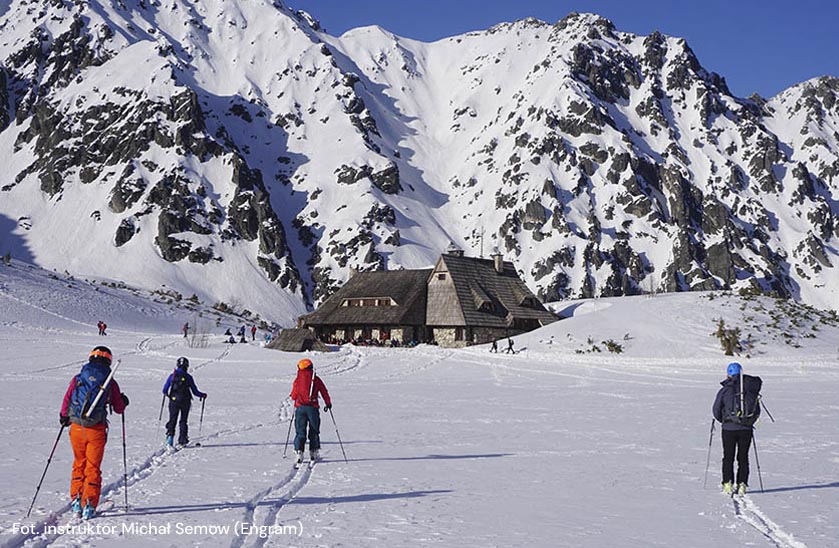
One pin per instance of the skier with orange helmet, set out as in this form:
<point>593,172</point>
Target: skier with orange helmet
<point>305,391</point>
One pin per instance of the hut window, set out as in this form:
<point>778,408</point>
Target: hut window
<point>441,276</point>
<point>352,302</point>
<point>369,302</point>
<point>383,302</point>
<point>458,333</point>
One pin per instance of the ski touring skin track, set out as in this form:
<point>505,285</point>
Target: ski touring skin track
<point>747,510</point>
<point>288,487</point>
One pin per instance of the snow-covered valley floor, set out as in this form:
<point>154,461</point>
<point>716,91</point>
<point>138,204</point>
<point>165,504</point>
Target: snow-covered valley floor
<point>548,447</point>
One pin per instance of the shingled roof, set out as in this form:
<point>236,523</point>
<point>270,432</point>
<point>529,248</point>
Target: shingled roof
<point>406,289</point>
<point>477,283</point>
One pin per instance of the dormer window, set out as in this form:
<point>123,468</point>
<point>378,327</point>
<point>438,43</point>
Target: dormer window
<point>441,276</point>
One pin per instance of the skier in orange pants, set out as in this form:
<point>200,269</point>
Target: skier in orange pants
<point>89,427</point>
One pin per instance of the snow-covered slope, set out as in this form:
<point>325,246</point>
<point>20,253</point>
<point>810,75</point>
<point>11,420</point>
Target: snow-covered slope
<point>233,150</point>
<point>557,445</point>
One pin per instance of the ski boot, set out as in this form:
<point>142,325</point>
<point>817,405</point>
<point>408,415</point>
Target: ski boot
<point>170,441</point>
<point>742,488</point>
<point>76,506</point>
<point>314,454</point>
<point>299,459</point>
<point>89,511</point>
<point>728,488</point>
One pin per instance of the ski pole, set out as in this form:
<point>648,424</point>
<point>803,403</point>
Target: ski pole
<point>288,435</point>
<point>160,417</point>
<point>124,462</point>
<point>757,460</point>
<point>767,410</point>
<point>339,435</point>
<point>708,462</point>
<point>102,389</point>
<point>201,422</point>
<point>45,470</point>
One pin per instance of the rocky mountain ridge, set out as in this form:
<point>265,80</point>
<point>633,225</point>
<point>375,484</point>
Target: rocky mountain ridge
<point>236,151</point>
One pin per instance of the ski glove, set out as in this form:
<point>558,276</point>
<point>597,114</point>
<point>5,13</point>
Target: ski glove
<point>63,420</point>
<point>327,407</point>
<point>204,396</point>
<point>124,399</point>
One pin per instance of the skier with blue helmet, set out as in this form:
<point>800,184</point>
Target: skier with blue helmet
<point>737,407</point>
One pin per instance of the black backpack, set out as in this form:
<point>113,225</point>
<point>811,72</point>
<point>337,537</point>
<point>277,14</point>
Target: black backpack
<point>751,401</point>
<point>179,389</point>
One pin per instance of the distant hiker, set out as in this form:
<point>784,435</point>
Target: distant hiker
<point>253,332</point>
<point>101,325</point>
<point>242,334</point>
<point>305,392</point>
<point>179,388</point>
<point>185,329</point>
<point>89,428</point>
<point>104,327</point>
<point>228,333</point>
<point>737,407</point>
<point>231,340</point>
<point>509,346</point>
<point>494,347</point>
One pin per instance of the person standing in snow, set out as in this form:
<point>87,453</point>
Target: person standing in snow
<point>737,407</point>
<point>185,329</point>
<point>179,389</point>
<point>307,386</point>
<point>509,346</point>
<point>242,334</point>
<point>494,347</point>
<point>253,332</point>
<point>89,427</point>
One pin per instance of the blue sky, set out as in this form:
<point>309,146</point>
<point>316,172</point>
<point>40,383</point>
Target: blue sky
<point>758,46</point>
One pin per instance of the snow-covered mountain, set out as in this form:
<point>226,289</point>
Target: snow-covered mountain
<point>233,150</point>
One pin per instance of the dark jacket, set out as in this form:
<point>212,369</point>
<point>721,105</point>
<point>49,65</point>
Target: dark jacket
<point>190,382</point>
<point>727,404</point>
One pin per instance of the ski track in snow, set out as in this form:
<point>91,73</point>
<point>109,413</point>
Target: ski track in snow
<point>748,511</point>
<point>288,487</point>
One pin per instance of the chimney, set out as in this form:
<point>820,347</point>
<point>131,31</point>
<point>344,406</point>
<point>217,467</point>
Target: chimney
<point>498,261</point>
<point>454,250</point>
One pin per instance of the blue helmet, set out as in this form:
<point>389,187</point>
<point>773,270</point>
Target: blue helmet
<point>734,369</point>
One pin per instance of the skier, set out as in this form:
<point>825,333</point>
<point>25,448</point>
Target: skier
<point>179,388</point>
<point>185,329</point>
<point>305,392</point>
<point>242,334</point>
<point>509,346</point>
<point>89,428</point>
<point>737,407</point>
<point>494,347</point>
<point>253,332</point>
<point>104,327</point>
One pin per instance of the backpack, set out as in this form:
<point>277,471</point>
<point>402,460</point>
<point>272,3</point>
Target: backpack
<point>751,401</point>
<point>88,383</point>
<point>179,389</point>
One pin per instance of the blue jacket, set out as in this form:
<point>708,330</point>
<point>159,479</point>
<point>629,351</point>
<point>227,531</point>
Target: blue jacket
<point>190,382</point>
<point>727,403</point>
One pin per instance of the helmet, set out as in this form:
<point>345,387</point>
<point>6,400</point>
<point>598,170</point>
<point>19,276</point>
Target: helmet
<point>183,363</point>
<point>305,363</point>
<point>102,355</point>
<point>734,369</point>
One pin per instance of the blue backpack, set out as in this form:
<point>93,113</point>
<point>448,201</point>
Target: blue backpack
<point>88,383</point>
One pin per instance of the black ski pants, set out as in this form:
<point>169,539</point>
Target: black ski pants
<point>177,408</point>
<point>736,441</point>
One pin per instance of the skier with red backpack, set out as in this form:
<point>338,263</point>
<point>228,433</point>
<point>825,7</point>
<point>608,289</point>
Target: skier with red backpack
<point>737,407</point>
<point>85,411</point>
<point>179,389</point>
<point>305,391</point>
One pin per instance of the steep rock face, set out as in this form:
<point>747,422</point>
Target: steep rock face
<point>226,138</point>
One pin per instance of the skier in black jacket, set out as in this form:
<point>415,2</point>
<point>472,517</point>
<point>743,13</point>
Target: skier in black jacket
<point>737,407</point>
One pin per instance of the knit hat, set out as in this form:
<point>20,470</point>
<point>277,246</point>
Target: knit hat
<point>734,369</point>
<point>305,363</point>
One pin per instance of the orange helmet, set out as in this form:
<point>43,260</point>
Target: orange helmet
<point>305,363</point>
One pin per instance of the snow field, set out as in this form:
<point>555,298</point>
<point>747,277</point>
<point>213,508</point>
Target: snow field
<point>546,447</point>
